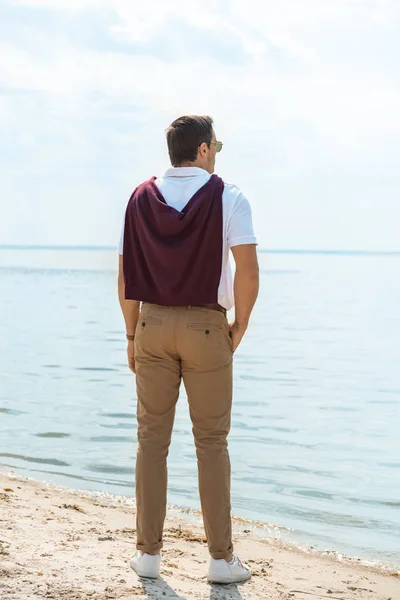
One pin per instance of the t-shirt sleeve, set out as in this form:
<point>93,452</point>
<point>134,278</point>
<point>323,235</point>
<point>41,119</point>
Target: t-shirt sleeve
<point>121,239</point>
<point>240,225</point>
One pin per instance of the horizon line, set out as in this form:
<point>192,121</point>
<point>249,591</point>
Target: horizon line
<point>261,250</point>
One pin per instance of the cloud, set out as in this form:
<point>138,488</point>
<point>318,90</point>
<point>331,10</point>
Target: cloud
<point>305,92</point>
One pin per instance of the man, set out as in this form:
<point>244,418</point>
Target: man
<point>174,258</point>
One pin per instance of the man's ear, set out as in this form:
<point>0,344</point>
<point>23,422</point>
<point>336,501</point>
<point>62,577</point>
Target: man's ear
<point>202,151</point>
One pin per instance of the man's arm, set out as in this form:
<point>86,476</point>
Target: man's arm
<point>130,310</point>
<point>246,286</point>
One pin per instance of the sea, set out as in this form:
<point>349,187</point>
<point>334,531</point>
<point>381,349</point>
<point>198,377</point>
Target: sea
<point>315,440</point>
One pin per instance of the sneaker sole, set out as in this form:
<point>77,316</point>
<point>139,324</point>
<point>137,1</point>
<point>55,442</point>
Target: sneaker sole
<point>226,580</point>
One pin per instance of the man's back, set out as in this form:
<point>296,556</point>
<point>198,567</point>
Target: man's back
<point>178,185</point>
<point>178,232</point>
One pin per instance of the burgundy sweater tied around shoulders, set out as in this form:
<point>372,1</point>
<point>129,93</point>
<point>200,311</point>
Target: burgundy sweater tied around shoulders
<point>173,258</point>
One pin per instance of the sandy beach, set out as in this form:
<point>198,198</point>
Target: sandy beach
<point>61,544</point>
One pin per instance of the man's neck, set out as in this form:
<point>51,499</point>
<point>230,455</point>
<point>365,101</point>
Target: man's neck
<point>191,164</point>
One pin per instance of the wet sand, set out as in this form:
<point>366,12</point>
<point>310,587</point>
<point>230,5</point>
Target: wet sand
<point>61,544</point>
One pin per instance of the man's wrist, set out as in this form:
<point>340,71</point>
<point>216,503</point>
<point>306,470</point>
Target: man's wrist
<point>130,337</point>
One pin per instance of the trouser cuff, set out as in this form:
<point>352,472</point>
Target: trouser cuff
<point>152,549</point>
<point>222,555</point>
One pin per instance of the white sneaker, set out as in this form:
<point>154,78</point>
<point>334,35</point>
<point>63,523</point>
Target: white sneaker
<point>221,571</point>
<point>146,565</point>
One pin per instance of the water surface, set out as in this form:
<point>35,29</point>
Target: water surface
<point>315,433</point>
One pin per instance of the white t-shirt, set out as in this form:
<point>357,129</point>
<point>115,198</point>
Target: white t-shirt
<point>178,185</point>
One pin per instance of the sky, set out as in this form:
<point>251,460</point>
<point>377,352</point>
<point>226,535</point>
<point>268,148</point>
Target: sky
<point>305,97</point>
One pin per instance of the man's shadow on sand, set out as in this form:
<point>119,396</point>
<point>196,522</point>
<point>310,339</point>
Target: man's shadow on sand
<point>230,592</point>
<point>158,589</point>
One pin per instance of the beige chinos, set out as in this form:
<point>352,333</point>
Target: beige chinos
<point>193,344</point>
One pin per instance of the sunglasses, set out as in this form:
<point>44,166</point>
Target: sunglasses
<point>218,145</point>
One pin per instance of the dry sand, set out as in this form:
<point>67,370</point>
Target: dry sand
<point>60,544</point>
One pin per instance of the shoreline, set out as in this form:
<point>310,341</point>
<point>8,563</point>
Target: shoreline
<point>64,544</point>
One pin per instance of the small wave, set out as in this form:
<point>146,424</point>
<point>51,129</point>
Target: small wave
<point>52,434</point>
<point>12,411</point>
<point>32,459</point>
<point>95,369</point>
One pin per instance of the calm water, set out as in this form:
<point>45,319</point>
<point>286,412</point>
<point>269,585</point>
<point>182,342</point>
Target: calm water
<point>315,438</point>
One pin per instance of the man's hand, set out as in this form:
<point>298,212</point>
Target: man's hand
<point>131,356</point>
<point>236,331</point>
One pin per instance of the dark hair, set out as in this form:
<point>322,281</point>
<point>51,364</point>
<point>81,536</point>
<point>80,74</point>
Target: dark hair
<point>185,135</point>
